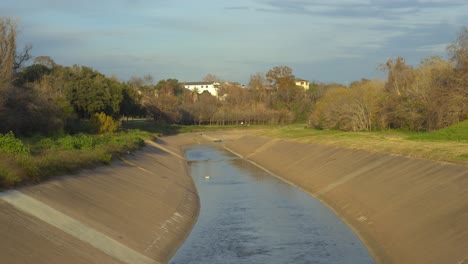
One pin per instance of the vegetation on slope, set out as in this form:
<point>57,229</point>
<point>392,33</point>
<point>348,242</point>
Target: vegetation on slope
<point>68,117</point>
<point>449,144</point>
<point>38,158</point>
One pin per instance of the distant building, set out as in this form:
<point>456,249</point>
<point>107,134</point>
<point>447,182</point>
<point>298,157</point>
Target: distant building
<point>200,87</point>
<point>303,83</point>
<point>234,84</point>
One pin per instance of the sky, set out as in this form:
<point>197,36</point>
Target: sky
<point>320,40</point>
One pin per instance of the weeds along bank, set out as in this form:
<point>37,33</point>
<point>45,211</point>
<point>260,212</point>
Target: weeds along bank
<point>145,203</point>
<point>405,210</point>
<point>35,159</point>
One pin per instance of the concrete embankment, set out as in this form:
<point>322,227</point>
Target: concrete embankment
<point>138,210</point>
<point>405,210</point>
<point>141,209</point>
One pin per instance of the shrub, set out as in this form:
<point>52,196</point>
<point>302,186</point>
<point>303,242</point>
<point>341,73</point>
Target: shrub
<point>79,142</point>
<point>10,144</point>
<point>103,123</point>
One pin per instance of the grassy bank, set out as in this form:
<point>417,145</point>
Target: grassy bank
<point>448,144</point>
<point>31,160</point>
<point>37,158</point>
<point>149,126</point>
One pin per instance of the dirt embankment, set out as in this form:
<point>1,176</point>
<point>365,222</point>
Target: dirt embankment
<point>405,210</point>
<point>138,210</point>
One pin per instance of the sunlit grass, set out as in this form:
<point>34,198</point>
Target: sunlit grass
<point>449,144</point>
<point>66,154</point>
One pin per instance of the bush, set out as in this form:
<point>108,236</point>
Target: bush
<point>79,142</point>
<point>103,123</point>
<point>12,145</point>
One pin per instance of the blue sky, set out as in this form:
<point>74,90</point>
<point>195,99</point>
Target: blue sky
<point>321,40</point>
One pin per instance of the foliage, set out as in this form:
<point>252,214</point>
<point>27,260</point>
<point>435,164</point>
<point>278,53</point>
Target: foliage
<point>78,142</point>
<point>90,92</point>
<point>457,132</point>
<point>172,86</point>
<point>65,154</point>
<point>10,144</point>
<point>103,123</point>
<point>353,109</point>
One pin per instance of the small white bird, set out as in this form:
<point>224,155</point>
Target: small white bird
<point>207,177</point>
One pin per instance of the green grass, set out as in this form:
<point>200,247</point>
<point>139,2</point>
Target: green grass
<point>458,132</point>
<point>48,157</point>
<point>163,129</point>
<point>66,154</point>
<point>448,144</point>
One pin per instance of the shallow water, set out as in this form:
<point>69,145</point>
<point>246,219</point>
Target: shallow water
<point>249,216</point>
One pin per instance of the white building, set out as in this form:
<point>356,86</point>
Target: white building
<point>200,87</point>
<point>303,83</point>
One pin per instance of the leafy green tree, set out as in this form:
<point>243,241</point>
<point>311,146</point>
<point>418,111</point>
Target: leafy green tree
<point>131,105</point>
<point>91,92</point>
<point>31,74</point>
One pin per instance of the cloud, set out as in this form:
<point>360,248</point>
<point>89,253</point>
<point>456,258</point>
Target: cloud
<point>348,9</point>
<point>237,8</point>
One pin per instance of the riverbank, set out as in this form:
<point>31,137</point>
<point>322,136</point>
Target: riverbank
<point>405,210</point>
<point>136,210</point>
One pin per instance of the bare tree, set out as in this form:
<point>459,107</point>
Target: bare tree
<point>7,49</point>
<point>400,75</point>
<point>212,78</point>
<point>458,50</point>
<point>257,81</point>
<point>45,61</point>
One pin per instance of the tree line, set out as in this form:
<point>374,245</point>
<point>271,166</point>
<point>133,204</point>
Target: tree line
<point>427,97</point>
<point>45,97</point>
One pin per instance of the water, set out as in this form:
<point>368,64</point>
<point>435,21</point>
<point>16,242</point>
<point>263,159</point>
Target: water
<point>249,216</point>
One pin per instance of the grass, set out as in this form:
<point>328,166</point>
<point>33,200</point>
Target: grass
<point>50,157</point>
<point>458,133</point>
<point>150,126</point>
<point>448,144</point>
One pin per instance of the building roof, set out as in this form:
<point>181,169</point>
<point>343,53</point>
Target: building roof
<point>199,83</point>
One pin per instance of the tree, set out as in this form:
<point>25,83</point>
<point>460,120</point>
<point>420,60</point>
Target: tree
<point>353,109</point>
<point>281,77</point>
<point>31,74</point>
<point>287,93</point>
<point>131,105</point>
<point>400,75</point>
<point>7,49</point>
<point>170,85</point>
<point>140,82</point>
<point>458,51</point>
<point>45,61</point>
<point>92,92</point>
<point>257,81</point>
<point>212,78</point>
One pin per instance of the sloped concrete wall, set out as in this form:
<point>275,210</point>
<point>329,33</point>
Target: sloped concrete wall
<point>138,210</point>
<point>405,210</point>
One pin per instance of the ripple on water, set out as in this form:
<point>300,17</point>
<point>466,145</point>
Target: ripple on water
<point>248,216</point>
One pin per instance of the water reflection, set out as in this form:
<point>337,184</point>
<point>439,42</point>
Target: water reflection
<point>248,216</point>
